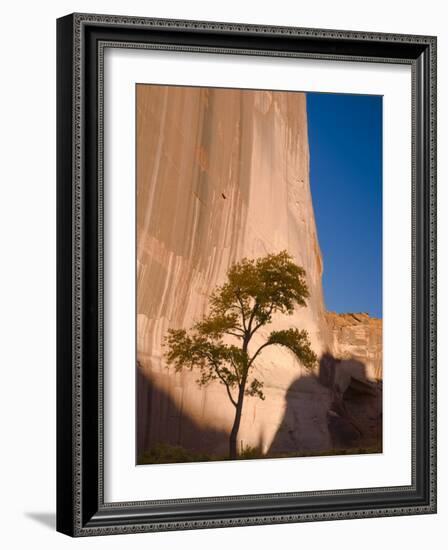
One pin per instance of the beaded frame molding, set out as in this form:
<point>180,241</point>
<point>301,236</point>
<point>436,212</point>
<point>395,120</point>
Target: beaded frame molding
<point>81,509</point>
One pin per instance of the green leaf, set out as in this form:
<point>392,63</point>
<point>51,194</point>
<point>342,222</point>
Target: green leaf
<point>254,291</point>
<point>296,341</point>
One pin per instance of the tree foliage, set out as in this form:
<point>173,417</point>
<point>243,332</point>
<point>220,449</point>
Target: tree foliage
<point>255,291</point>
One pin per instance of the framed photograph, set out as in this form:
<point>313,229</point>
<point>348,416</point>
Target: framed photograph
<point>246,274</point>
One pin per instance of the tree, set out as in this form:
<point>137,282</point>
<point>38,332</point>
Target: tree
<point>255,290</point>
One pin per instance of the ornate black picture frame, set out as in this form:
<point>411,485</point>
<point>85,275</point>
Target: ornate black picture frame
<point>81,508</point>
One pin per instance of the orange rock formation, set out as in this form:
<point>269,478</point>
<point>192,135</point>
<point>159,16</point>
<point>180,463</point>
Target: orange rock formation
<point>221,175</point>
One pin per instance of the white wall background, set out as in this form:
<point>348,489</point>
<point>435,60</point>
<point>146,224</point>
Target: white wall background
<point>27,274</point>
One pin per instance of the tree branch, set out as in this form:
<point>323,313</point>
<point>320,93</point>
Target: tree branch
<point>262,323</point>
<point>235,368</point>
<point>221,377</point>
<point>227,387</point>
<point>254,310</point>
<point>242,310</point>
<point>265,345</point>
<point>233,334</point>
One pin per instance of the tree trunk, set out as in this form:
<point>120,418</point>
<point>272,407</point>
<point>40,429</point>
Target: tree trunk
<point>233,451</point>
<point>233,454</point>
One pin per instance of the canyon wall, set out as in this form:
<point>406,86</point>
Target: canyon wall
<point>223,174</point>
<point>360,337</point>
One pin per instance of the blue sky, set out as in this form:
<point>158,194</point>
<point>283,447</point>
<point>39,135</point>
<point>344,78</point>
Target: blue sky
<point>345,138</point>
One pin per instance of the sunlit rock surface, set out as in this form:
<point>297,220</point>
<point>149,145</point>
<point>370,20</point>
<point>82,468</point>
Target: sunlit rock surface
<point>358,336</point>
<point>221,175</point>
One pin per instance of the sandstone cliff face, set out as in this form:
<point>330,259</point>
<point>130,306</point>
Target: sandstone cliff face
<point>221,175</point>
<point>358,336</point>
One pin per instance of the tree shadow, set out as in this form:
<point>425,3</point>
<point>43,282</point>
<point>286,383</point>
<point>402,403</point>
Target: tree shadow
<point>161,421</point>
<point>338,409</point>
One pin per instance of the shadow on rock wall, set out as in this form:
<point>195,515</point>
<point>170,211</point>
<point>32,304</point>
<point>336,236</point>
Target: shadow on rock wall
<point>338,409</point>
<point>161,420</point>
<point>304,424</point>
